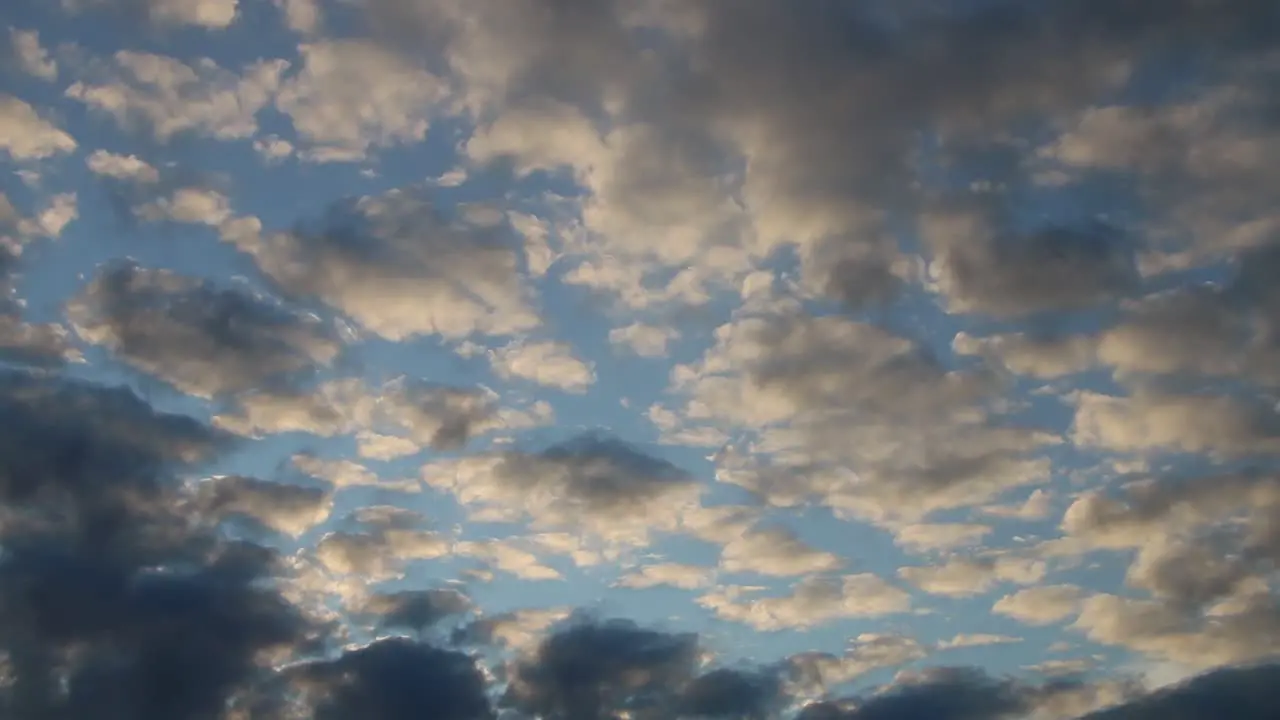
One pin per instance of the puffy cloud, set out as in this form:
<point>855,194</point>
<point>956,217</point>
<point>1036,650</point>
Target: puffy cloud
<point>121,167</point>
<point>1040,605</point>
<point>591,483</point>
<point>395,679</point>
<point>815,672</point>
<point>198,206</point>
<point>396,267</point>
<point>544,362</point>
<point>417,609</point>
<point>213,14</point>
<point>351,94</point>
<point>678,575</point>
<point>591,669</point>
<point>878,427</point>
<point>109,590</point>
<point>301,16</point>
<point>379,554</point>
<point>1040,357</point>
<point>775,551</point>
<point>963,577</point>
<point>24,135</point>
<point>290,509</point>
<point>1246,693</point>
<point>31,56</point>
<point>813,601</point>
<point>644,340</point>
<point>727,692</point>
<point>508,557</point>
<point>979,270</point>
<point>939,536</point>
<point>202,339</point>
<point>1153,421</point>
<point>169,96</point>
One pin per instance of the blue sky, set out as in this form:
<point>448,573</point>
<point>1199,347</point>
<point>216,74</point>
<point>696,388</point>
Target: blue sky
<point>890,360</point>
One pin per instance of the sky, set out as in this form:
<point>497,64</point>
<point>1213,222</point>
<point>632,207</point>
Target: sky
<point>639,359</point>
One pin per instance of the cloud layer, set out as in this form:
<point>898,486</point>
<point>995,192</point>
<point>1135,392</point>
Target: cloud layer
<point>579,359</point>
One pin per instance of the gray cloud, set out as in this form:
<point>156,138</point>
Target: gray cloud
<point>203,339</point>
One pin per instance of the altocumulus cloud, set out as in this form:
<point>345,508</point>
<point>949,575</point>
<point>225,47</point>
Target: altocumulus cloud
<point>771,360</point>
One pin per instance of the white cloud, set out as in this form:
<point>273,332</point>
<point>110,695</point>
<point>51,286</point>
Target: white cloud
<point>813,601</point>
<point>775,551</point>
<point>121,167</point>
<point>351,94</point>
<point>24,135</point>
<point>544,362</point>
<point>644,340</point>
<point>211,14</point>
<point>301,16</point>
<point>939,536</point>
<point>170,96</point>
<point>509,558</point>
<point>32,58</point>
<point>1150,421</point>
<point>414,273</point>
<point>1040,605</point>
<point>966,577</point>
<point>677,575</point>
<point>590,484</point>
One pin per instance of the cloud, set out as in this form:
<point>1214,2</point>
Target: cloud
<point>813,601</point>
<point>417,609</point>
<point>31,56</point>
<point>396,679</point>
<point>727,692</point>
<point>592,483</point>
<point>24,135</point>
<point>836,394</point>
<point>289,509</point>
<point>677,575</point>
<point>591,669</point>
<point>644,340</point>
<point>1245,693</point>
<point>1039,357</point>
<point>1055,268</point>
<point>169,97</point>
<point>208,14</point>
<point>399,269</point>
<point>1153,421</point>
<point>301,16</point>
<point>774,551</point>
<point>816,672</point>
<point>964,577</point>
<point>544,362</point>
<point>108,587</point>
<point>203,339</point>
<point>121,167</point>
<point>1040,605</point>
<point>401,417</point>
<point>351,94</point>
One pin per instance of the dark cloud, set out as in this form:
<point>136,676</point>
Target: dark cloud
<point>1244,693</point>
<point>966,693</point>
<point>112,603</point>
<point>947,694</point>
<point>592,670</point>
<point>417,609</point>
<point>203,339</point>
<point>983,268</point>
<point>731,693</point>
<point>603,471</point>
<point>397,679</point>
